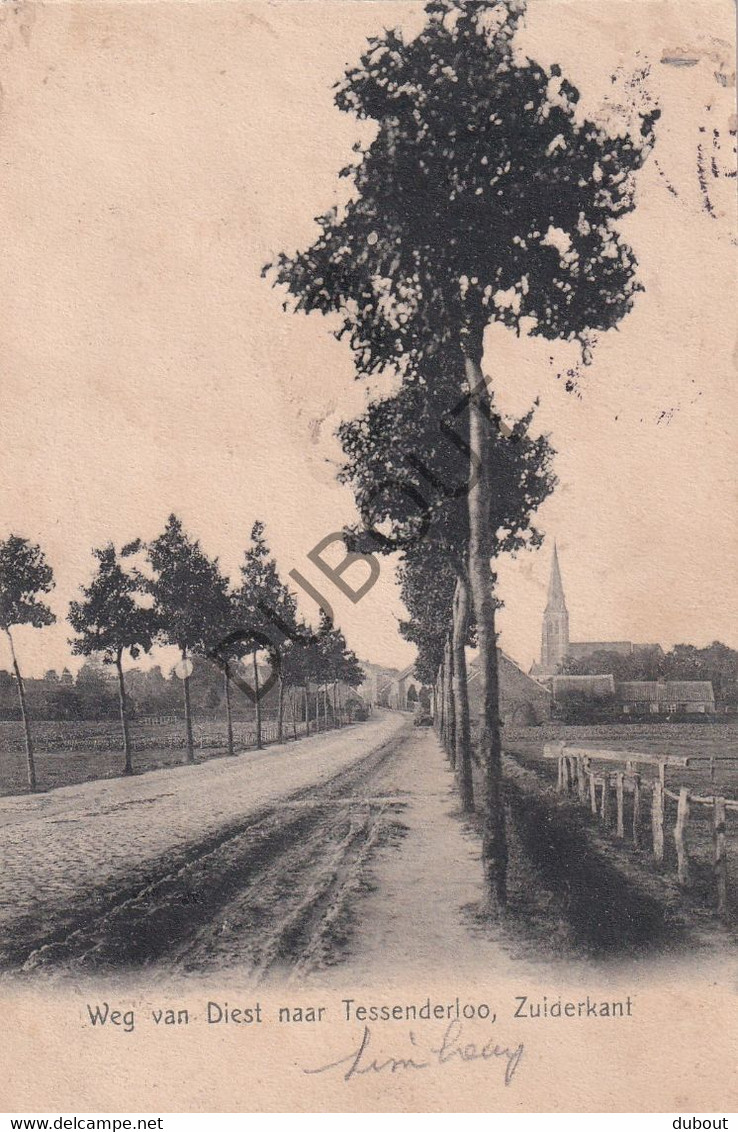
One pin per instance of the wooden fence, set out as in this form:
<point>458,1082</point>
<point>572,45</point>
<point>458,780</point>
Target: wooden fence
<point>579,774</point>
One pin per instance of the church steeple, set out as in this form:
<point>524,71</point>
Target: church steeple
<point>556,599</point>
<point>555,635</point>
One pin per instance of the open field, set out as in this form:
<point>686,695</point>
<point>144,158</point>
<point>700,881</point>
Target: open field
<point>80,751</point>
<point>718,742</point>
<point>704,741</point>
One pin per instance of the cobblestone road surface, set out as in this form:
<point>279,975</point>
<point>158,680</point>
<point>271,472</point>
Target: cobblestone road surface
<point>63,852</point>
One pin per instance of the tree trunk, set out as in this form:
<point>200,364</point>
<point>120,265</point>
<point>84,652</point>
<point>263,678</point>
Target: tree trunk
<point>434,691</point>
<point>189,742</point>
<point>325,706</point>
<point>280,710</point>
<point>461,697</point>
<point>229,712</point>
<point>448,668</point>
<point>123,701</point>
<point>441,705</point>
<point>257,701</point>
<point>293,710</point>
<point>30,762</point>
<point>494,845</point>
<point>307,710</point>
<point>335,709</point>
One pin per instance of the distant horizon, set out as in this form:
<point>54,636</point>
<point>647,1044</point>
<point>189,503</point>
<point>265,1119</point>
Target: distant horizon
<point>158,655</point>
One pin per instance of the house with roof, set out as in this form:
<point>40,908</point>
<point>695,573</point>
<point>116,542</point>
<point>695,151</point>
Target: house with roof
<point>666,697</point>
<point>632,697</point>
<point>402,693</point>
<point>524,701</point>
<point>588,696</point>
<point>582,688</point>
<point>390,687</point>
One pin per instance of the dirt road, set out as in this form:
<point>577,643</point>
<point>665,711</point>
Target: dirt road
<point>266,890</point>
<point>342,857</point>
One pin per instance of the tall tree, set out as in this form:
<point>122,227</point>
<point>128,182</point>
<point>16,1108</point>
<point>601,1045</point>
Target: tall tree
<point>268,610</point>
<point>189,592</point>
<point>113,619</point>
<point>312,664</point>
<point>716,662</point>
<point>25,575</point>
<point>225,647</point>
<point>292,671</point>
<point>324,659</point>
<point>484,196</point>
<point>427,583</point>
<point>337,662</point>
<point>349,670</point>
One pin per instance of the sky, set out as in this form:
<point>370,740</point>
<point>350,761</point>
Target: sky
<point>155,156</point>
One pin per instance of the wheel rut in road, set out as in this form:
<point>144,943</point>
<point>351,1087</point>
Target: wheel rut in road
<point>270,894</point>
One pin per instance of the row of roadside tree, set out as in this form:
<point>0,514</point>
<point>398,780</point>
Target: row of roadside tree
<point>480,193</point>
<point>169,592</point>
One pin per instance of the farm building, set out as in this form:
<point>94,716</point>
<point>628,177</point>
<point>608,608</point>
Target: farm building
<point>587,689</point>
<point>634,697</point>
<point>523,700</point>
<point>402,692</point>
<point>668,697</point>
<point>390,687</point>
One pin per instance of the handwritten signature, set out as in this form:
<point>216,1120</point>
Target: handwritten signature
<point>451,1050</point>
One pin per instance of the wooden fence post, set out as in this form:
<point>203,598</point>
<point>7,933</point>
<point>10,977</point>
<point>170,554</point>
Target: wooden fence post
<point>720,858</point>
<point>592,792</point>
<point>605,804</point>
<point>679,837</point>
<point>620,794</point>
<point>582,777</point>
<point>657,819</point>
<point>560,783</point>
<point>637,810</point>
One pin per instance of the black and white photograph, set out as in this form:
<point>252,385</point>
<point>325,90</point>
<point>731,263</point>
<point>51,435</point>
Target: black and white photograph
<point>368,604</point>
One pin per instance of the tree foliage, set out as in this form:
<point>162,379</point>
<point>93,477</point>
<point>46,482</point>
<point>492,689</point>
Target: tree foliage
<point>408,463</point>
<point>188,588</point>
<point>427,581</point>
<point>25,576</point>
<point>112,617</point>
<point>191,601</point>
<point>716,663</point>
<point>264,604</point>
<point>335,661</point>
<point>485,196</point>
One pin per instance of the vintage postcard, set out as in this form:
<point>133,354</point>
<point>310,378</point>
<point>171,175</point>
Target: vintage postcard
<point>368,605</point>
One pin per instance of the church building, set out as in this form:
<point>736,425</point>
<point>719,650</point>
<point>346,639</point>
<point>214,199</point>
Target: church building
<point>555,643</point>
